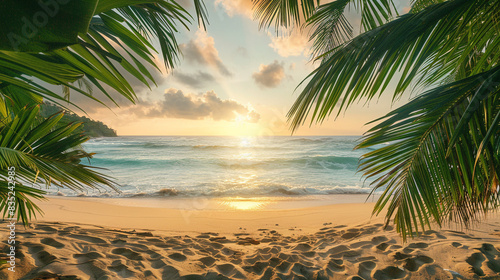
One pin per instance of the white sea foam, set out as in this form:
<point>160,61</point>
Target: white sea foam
<point>229,166</point>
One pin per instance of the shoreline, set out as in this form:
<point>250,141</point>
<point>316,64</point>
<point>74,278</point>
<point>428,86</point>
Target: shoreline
<point>223,215</point>
<point>223,202</point>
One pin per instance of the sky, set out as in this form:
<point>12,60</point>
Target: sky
<point>233,79</point>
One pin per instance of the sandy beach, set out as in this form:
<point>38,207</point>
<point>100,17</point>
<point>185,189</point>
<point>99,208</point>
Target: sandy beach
<point>106,238</point>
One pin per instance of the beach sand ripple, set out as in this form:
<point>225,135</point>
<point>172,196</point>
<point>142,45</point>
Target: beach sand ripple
<point>72,251</point>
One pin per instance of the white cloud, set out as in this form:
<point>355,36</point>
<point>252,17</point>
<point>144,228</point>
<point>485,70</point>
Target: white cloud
<point>294,43</point>
<point>270,75</point>
<point>237,7</point>
<point>178,105</point>
<point>202,50</point>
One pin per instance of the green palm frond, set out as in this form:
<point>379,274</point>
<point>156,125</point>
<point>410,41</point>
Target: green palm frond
<point>45,154</point>
<point>38,26</point>
<point>25,197</point>
<point>421,182</point>
<point>437,158</point>
<point>330,27</point>
<point>419,5</point>
<point>374,12</point>
<point>294,13</point>
<point>415,45</point>
<point>119,34</point>
<point>283,13</point>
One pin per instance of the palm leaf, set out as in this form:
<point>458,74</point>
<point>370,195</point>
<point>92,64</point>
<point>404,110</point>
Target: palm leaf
<point>45,154</point>
<point>119,34</point>
<point>422,184</point>
<point>412,44</point>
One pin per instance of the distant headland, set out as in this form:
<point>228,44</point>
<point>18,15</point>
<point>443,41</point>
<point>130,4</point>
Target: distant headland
<point>89,127</point>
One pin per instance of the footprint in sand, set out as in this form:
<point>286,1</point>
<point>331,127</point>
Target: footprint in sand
<point>401,256</point>
<point>121,269</point>
<point>46,228</point>
<point>284,267</point>
<point>309,254</point>
<point>177,257</point>
<point>34,248</point>
<point>118,241</point>
<point>415,263</point>
<point>418,245</point>
<point>382,246</point>
<point>207,261</point>
<point>188,252</point>
<point>226,269</point>
<point>170,272</point>
<point>257,268</point>
<point>52,242</point>
<point>305,271</point>
<point>362,244</point>
<point>365,269</point>
<point>379,239</point>
<point>129,254</point>
<point>88,256</point>
<point>45,257</point>
<point>156,264</point>
<point>88,238</point>
<point>368,258</point>
<point>338,249</point>
<point>350,235</point>
<point>493,256</point>
<point>476,260</point>
<point>274,262</point>
<point>390,272</point>
<point>302,247</point>
<point>336,265</point>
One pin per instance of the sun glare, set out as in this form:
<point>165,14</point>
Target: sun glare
<point>244,204</point>
<point>241,118</point>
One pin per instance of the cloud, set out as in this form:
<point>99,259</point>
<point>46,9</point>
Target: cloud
<point>196,80</point>
<point>202,51</point>
<point>91,106</point>
<point>176,104</point>
<point>270,75</point>
<point>292,43</point>
<point>237,7</point>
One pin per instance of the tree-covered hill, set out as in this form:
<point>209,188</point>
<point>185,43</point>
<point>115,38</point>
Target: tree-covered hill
<point>89,127</point>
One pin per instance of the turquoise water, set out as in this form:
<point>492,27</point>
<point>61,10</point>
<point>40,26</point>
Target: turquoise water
<point>229,166</point>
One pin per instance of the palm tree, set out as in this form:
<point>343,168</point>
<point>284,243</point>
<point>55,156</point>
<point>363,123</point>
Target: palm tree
<point>442,163</point>
<point>77,45</point>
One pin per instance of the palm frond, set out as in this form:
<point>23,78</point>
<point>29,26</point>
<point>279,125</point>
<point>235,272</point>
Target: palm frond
<point>45,154</point>
<point>413,44</point>
<point>24,197</point>
<point>330,27</point>
<point>283,13</point>
<point>119,34</point>
<point>419,5</point>
<point>423,184</point>
<point>294,13</point>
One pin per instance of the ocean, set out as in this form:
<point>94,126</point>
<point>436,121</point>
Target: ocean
<point>190,166</point>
